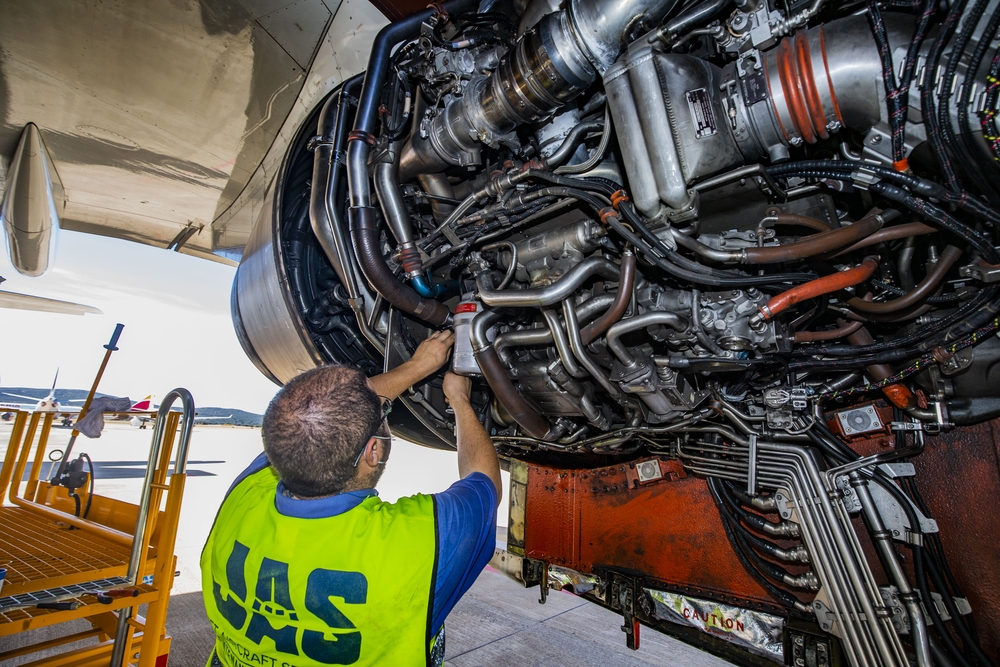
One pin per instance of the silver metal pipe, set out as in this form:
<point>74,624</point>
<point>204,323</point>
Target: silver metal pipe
<point>543,336</point>
<point>600,27</point>
<point>702,250</point>
<point>558,291</point>
<point>576,344</point>
<point>481,324</point>
<point>863,583</point>
<point>562,344</point>
<point>519,338</point>
<point>322,218</point>
<point>438,184</point>
<point>883,540</point>
<point>139,533</point>
<point>672,320</point>
<point>829,537</point>
<point>390,198</point>
<point>357,174</point>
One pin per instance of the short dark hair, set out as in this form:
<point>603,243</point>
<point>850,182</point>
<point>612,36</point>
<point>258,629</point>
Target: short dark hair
<point>315,426</point>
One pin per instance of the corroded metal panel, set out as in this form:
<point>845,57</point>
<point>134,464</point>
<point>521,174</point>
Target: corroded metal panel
<point>665,529</point>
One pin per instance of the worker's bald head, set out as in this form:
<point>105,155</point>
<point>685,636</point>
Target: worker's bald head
<point>316,425</point>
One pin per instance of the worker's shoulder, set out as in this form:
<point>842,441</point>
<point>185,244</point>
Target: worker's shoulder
<point>417,505</point>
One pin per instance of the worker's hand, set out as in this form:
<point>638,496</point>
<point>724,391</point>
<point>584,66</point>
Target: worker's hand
<point>457,388</point>
<point>433,352</point>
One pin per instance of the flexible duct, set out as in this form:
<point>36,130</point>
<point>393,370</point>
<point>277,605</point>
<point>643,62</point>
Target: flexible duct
<point>815,288</point>
<point>493,370</point>
<point>925,289</point>
<point>810,246</point>
<point>364,229</point>
<point>546,296</point>
<point>365,232</point>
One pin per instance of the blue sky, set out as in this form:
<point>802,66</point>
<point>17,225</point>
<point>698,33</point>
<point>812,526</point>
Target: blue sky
<point>175,310</point>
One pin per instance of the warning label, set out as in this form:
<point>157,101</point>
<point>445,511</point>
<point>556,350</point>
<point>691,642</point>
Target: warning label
<point>701,113</point>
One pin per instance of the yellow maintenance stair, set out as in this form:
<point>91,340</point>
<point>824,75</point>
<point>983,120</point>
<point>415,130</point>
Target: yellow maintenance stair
<point>100,564</point>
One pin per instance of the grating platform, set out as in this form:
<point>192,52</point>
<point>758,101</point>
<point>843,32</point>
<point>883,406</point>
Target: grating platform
<point>40,554</point>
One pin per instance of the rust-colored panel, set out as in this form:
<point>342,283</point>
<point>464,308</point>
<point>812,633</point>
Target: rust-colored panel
<point>668,530</point>
<point>959,477</point>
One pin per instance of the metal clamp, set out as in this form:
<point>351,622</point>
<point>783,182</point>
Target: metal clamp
<point>864,178</point>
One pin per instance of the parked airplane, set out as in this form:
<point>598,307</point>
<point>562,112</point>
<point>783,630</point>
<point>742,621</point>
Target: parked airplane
<point>48,403</point>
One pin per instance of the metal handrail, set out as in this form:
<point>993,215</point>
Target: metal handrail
<point>139,535</point>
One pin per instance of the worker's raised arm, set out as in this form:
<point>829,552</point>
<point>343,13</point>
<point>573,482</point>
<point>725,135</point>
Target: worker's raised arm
<point>430,355</point>
<point>476,452</point>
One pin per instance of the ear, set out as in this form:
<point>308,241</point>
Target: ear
<point>371,455</point>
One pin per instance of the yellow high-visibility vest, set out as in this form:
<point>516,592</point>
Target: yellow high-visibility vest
<point>350,589</point>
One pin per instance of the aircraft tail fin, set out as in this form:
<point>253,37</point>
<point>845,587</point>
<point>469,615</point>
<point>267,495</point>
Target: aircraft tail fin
<point>143,405</point>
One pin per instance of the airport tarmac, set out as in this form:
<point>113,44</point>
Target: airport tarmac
<point>497,623</point>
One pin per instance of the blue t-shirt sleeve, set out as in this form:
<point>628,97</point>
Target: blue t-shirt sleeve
<point>466,538</point>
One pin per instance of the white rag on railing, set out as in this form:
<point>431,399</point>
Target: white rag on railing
<point>92,422</point>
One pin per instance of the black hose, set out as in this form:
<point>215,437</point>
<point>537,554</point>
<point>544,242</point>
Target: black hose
<point>782,596</point>
<point>968,642</point>
<point>944,108</point>
<point>925,594</point>
<point>927,103</point>
<point>919,186</point>
<point>378,62</point>
<point>572,140</point>
<point>367,247</point>
<point>987,166</point>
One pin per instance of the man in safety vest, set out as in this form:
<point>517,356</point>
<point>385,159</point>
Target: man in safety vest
<point>305,565</point>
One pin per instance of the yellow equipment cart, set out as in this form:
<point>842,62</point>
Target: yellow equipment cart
<point>101,566</point>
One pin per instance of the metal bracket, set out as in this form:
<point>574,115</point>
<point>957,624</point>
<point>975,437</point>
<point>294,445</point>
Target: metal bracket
<point>752,466</point>
<point>825,617</point>
<point>895,518</point>
<point>900,620</point>
<point>986,274</point>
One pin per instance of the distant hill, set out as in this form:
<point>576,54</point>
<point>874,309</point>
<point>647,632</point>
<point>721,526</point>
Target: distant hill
<point>75,397</point>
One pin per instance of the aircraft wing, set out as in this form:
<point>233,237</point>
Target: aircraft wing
<point>29,398</point>
<point>177,157</point>
<point>29,302</point>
